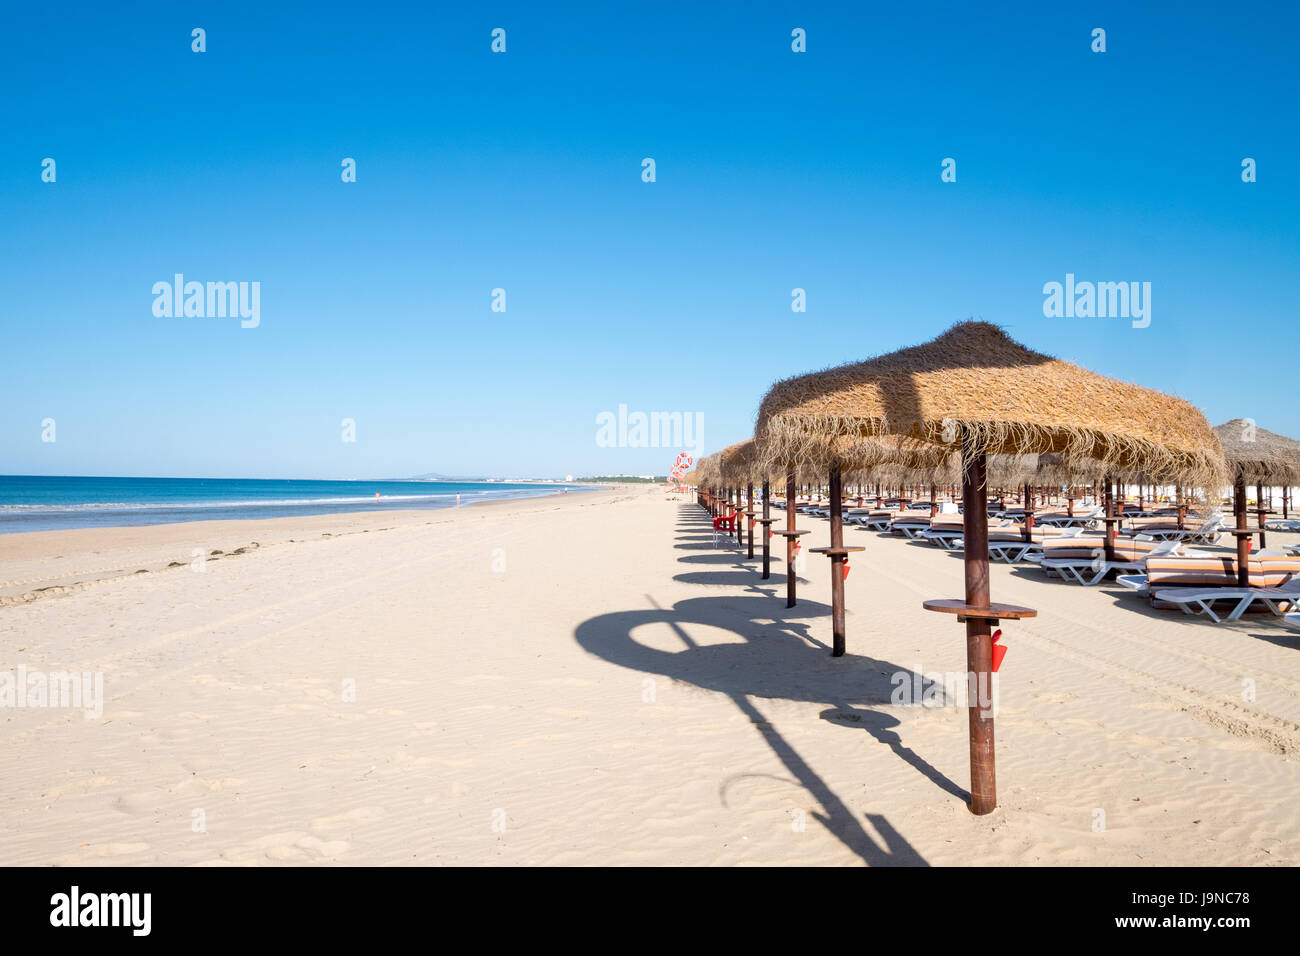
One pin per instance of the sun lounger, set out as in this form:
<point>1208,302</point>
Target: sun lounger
<point>1194,601</point>
<point>1083,559</point>
<point>1061,519</point>
<point>878,520</point>
<point>1161,549</point>
<point>945,531</point>
<point>1292,621</point>
<point>1162,529</point>
<point>1193,583</point>
<point>1086,573</point>
<point>912,524</point>
<point>1007,541</point>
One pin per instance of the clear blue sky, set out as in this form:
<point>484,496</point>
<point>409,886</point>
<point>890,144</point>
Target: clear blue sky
<point>775,170</point>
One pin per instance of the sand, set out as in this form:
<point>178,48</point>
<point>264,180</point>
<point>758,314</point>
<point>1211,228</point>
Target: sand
<point>585,679</point>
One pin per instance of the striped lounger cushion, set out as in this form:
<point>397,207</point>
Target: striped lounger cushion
<point>1039,535</point>
<point>1072,549</point>
<point>947,523</point>
<point>912,517</point>
<point>1269,571</point>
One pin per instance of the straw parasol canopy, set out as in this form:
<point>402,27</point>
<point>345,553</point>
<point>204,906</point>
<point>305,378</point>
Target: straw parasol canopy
<point>975,383</point>
<point>886,458</point>
<point>1258,455</point>
<point>739,463</point>
<point>708,471</point>
<point>1054,470</point>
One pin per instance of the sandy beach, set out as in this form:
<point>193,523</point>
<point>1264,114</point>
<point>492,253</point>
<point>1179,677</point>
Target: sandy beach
<point>586,679</point>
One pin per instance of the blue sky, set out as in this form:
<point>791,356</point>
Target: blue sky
<point>522,171</point>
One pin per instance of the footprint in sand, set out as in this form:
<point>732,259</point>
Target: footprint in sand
<point>291,846</point>
<point>93,851</point>
<point>139,804</point>
<point>359,815</point>
<point>79,787</point>
<point>200,785</point>
<point>1057,697</point>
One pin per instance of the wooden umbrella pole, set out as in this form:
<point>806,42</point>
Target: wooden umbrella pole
<point>837,561</point>
<point>749,517</point>
<point>1243,540</point>
<point>790,541</point>
<point>1029,513</point>
<point>767,538</point>
<point>1109,547</point>
<point>739,519</point>
<point>1259,511</point>
<point>979,641</point>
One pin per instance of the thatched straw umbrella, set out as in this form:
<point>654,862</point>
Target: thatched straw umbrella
<point>740,467</point>
<point>976,390</point>
<point>1255,456</point>
<point>731,477</point>
<point>708,471</point>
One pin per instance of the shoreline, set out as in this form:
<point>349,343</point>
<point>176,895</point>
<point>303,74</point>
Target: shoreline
<point>177,514</point>
<point>33,563</point>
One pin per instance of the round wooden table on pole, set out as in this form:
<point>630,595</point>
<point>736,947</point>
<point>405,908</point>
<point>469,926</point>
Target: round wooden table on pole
<point>979,615</point>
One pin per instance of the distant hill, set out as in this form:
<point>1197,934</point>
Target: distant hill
<point>434,476</point>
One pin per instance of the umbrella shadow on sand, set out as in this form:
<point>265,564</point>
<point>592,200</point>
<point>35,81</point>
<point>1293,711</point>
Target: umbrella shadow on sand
<point>777,657</point>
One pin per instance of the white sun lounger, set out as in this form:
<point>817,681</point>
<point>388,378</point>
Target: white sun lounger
<point>1010,552</point>
<point>1071,521</point>
<point>948,539</point>
<point>911,528</point>
<point>1200,601</point>
<point>1086,573</point>
<point>1292,621</point>
<point>1091,572</point>
<point>1032,551</point>
<point>1281,524</point>
<point>1208,532</point>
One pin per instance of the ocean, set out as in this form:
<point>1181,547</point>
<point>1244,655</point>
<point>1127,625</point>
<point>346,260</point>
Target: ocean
<point>29,503</point>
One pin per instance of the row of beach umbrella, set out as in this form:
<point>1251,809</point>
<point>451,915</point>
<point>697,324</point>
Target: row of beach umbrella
<point>966,407</point>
